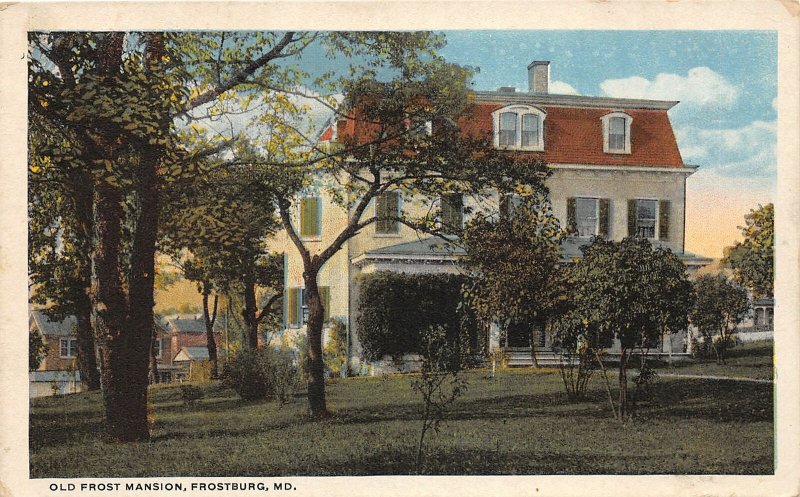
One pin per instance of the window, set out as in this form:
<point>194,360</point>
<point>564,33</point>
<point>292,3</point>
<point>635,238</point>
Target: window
<point>387,210</point>
<point>530,130</point>
<point>519,127</point>
<point>646,218</point>
<point>586,216</point>
<point>310,217</point>
<point>69,347</point>
<point>297,306</point>
<point>758,320</point>
<point>617,133</point>
<point>508,129</point>
<point>649,218</point>
<point>452,212</point>
<point>157,347</point>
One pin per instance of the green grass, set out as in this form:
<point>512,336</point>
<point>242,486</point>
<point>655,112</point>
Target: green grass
<point>750,360</point>
<point>519,422</point>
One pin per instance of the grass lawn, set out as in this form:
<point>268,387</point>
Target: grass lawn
<point>519,422</point>
<point>749,360</point>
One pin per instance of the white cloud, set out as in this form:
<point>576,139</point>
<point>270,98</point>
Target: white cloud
<point>562,88</point>
<point>701,86</point>
<point>743,152</point>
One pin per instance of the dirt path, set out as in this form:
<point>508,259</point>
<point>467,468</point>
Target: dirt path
<point>713,377</point>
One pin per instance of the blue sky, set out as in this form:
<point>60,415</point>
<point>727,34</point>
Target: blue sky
<point>726,81</point>
<point>725,123</point>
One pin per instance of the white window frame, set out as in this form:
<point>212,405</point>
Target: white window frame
<point>399,213</point>
<point>160,347</point>
<point>658,216</point>
<point>520,111</point>
<point>69,341</point>
<point>596,214</point>
<point>606,121</point>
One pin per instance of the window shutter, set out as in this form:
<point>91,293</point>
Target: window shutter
<point>387,206</point>
<point>309,217</point>
<point>572,222</point>
<point>293,307</point>
<point>603,222</point>
<point>632,217</point>
<point>325,297</point>
<point>663,219</point>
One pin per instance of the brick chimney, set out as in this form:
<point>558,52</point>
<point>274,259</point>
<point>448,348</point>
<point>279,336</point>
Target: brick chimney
<point>538,76</point>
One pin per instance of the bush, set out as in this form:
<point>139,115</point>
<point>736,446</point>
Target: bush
<point>335,351</point>
<point>191,393</point>
<point>262,374</point>
<point>396,309</point>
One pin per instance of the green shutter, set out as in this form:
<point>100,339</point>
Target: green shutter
<point>572,221</point>
<point>387,207</point>
<point>604,217</point>
<point>309,217</point>
<point>325,297</point>
<point>452,212</point>
<point>632,217</point>
<point>663,219</point>
<point>293,308</point>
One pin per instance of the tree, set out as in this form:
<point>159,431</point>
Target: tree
<point>753,259</point>
<point>514,261</point>
<point>629,291</point>
<point>720,307</point>
<point>117,96</point>
<point>130,102</point>
<point>37,350</point>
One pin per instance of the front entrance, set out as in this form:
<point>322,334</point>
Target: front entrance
<point>521,335</point>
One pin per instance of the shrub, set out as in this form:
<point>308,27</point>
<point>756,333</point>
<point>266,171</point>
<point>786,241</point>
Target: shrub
<point>262,374</point>
<point>335,351</point>
<point>395,310</point>
<point>191,393</point>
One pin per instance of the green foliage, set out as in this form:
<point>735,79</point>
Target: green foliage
<point>439,383</point>
<point>396,309</point>
<point>514,262</point>
<point>753,259</point>
<point>627,291</point>
<point>336,349</point>
<point>262,373</point>
<point>720,306</point>
<point>37,350</point>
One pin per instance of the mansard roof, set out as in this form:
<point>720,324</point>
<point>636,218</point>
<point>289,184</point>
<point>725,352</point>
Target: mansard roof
<point>573,131</point>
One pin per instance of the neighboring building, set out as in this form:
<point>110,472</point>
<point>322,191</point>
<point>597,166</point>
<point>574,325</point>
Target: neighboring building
<point>617,171</point>
<point>58,371</point>
<point>183,332</point>
<point>759,325</point>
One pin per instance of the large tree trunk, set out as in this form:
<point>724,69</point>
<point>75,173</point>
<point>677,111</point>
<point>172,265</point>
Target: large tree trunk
<point>87,359</point>
<point>249,313</point>
<point>314,361</point>
<point>81,184</point>
<point>209,319</point>
<point>124,387</point>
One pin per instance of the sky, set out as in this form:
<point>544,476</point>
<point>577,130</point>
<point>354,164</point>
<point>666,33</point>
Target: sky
<point>725,82</point>
<point>725,123</point>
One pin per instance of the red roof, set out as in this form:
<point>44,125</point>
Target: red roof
<point>572,135</point>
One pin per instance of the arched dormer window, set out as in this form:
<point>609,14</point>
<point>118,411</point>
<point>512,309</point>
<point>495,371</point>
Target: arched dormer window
<point>519,127</point>
<point>617,132</point>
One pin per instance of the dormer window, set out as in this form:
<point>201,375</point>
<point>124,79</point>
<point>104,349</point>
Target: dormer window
<point>519,127</point>
<point>617,133</point>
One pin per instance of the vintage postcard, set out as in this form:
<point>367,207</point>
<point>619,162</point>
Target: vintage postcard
<point>400,248</point>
